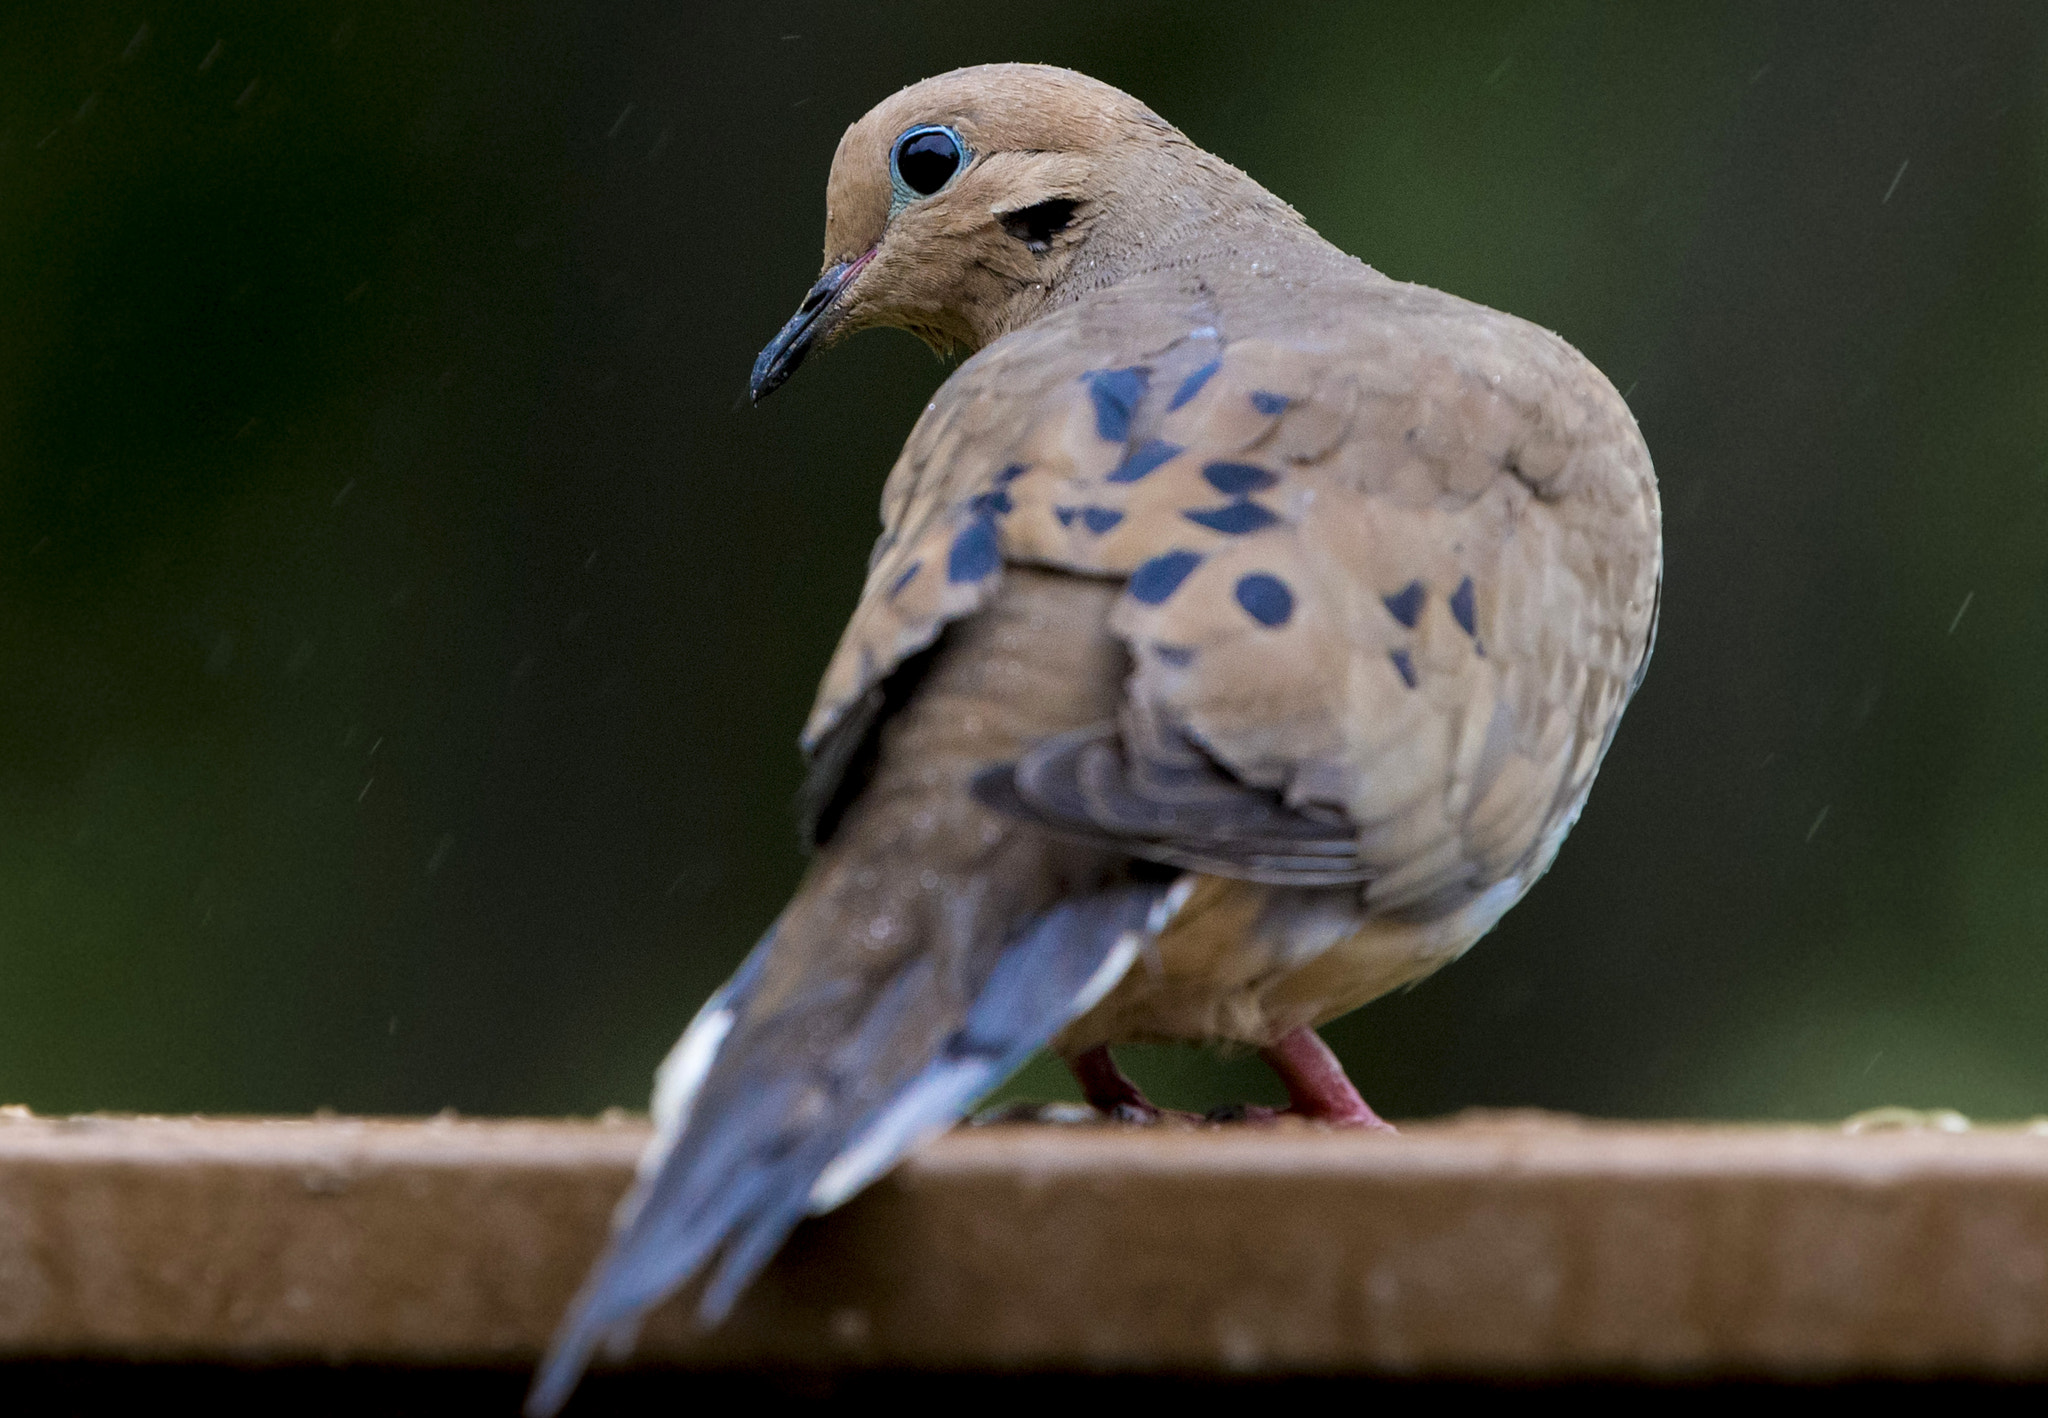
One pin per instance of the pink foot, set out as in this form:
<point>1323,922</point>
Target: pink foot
<point>1317,1087</point>
<point>1108,1091</point>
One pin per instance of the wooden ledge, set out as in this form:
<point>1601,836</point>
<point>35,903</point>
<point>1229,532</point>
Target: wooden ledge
<point>1510,1246</point>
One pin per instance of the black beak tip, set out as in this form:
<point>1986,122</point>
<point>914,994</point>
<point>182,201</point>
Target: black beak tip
<point>794,340</point>
<point>773,368</point>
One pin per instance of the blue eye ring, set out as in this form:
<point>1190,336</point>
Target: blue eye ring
<point>919,166</point>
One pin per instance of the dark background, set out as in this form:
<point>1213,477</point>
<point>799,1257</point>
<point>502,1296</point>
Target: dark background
<point>404,623</point>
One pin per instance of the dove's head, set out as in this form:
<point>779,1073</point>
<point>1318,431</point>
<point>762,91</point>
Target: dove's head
<point>965,205</point>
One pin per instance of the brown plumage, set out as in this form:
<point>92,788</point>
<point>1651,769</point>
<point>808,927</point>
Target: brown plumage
<point>1237,609</point>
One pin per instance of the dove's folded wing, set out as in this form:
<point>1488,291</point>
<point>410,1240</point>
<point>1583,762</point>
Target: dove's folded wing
<point>1381,594</point>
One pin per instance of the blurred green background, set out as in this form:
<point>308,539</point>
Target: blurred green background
<point>404,623</point>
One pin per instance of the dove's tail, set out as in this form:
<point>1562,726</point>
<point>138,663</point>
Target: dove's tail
<point>932,946</point>
<point>754,1135</point>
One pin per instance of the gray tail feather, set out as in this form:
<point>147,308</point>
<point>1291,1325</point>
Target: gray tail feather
<point>745,1170</point>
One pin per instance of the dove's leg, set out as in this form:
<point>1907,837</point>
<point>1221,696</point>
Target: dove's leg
<point>1317,1086</point>
<point>1107,1090</point>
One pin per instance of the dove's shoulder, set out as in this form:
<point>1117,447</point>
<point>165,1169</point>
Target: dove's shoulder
<point>1462,385</point>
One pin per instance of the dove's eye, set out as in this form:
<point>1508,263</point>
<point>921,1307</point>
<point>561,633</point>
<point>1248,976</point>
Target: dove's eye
<point>925,160</point>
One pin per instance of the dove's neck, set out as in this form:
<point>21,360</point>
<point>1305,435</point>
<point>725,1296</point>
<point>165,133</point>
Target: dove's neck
<point>1187,212</point>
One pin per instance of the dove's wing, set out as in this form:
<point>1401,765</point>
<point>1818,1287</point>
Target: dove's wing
<point>1347,590</point>
<point>1388,565</point>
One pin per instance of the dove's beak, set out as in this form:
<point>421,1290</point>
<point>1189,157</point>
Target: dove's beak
<point>813,319</point>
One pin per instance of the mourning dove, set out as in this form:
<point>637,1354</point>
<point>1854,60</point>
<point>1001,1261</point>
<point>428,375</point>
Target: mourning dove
<point>1244,634</point>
